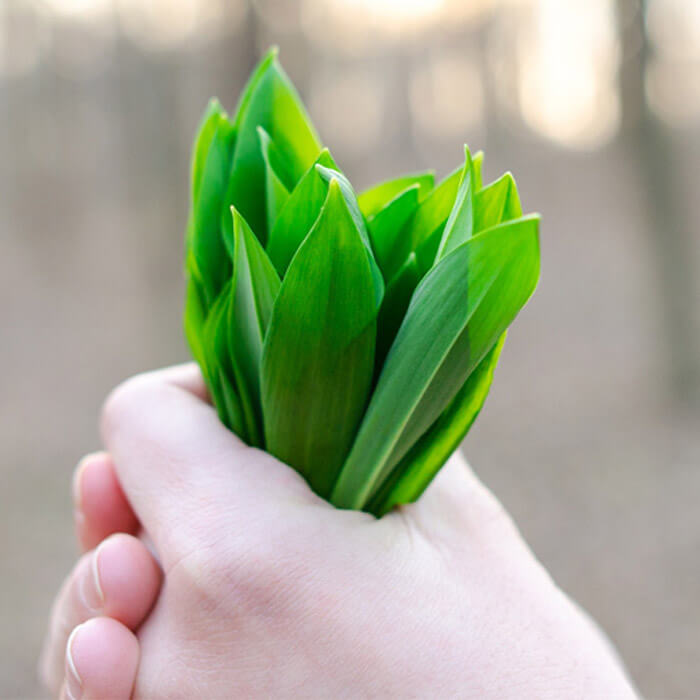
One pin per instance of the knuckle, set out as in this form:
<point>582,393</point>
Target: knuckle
<point>257,574</point>
<point>119,403</point>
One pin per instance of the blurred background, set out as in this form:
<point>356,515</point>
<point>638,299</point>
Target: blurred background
<point>591,436</point>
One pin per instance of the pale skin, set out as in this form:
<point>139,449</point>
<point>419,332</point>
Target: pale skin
<point>251,586</point>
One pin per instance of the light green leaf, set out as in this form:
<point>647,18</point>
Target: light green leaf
<point>254,287</point>
<point>386,226</point>
<point>497,202</point>
<point>299,214</point>
<point>460,224</point>
<point>455,317</point>
<point>270,101</point>
<point>425,459</point>
<point>373,200</point>
<point>318,357</point>
<point>478,162</point>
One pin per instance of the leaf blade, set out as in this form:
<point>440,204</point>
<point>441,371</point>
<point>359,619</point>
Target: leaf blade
<point>374,199</point>
<point>456,315</point>
<point>319,351</point>
<point>424,460</point>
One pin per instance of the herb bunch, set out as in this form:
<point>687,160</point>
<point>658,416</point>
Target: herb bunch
<point>354,337</point>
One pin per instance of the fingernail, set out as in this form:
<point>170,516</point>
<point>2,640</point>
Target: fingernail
<point>76,487</point>
<point>90,585</point>
<point>74,685</point>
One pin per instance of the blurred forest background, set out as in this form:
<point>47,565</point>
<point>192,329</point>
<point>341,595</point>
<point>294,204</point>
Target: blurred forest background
<point>591,436</point>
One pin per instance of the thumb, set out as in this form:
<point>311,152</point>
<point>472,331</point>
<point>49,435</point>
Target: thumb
<point>175,460</point>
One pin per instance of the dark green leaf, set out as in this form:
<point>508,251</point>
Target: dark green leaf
<point>318,356</point>
<point>455,317</point>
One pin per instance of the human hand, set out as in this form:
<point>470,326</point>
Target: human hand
<point>270,591</point>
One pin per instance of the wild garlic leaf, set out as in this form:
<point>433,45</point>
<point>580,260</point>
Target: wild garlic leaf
<point>478,162</point>
<point>270,101</point>
<point>277,181</point>
<point>211,164</point>
<point>460,224</point>
<point>195,314</point>
<point>456,315</point>
<point>425,459</point>
<point>497,202</point>
<point>394,305</point>
<point>255,285</point>
<point>332,175</point>
<point>386,226</point>
<point>318,357</point>
<point>205,133</point>
<point>429,218</point>
<point>299,214</point>
<point>373,200</point>
<point>220,381</point>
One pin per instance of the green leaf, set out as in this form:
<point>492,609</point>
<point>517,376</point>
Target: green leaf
<point>331,175</point>
<point>299,214</point>
<point>497,202</point>
<point>211,163</point>
<point>386,226</point>
<point>425,459</point>
<point>394,305</point>
<point>254,288</point>
<point>429,218</point>
<point>373,200</point>
<point>456,315</point>
<point>270,101</point>
<point>205,134</point>
<point>276,191</point>
<point>219,371</point>
<point>460,224</point>
<point>195,315</point>
<point>318,357</point>
<point>478,162</point>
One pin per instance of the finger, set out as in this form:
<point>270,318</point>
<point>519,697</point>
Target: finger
<point>174,457</point>
<point>101,509</point>
<point>101,661</point>
<point>120,579</point>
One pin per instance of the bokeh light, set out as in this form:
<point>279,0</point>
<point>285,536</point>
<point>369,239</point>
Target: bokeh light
<point>567,72</point>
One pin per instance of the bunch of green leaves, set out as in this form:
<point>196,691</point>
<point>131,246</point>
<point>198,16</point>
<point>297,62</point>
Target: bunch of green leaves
<point>354,337</point>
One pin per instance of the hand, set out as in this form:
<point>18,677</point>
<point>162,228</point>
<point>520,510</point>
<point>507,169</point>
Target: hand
<point>269,591</point>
